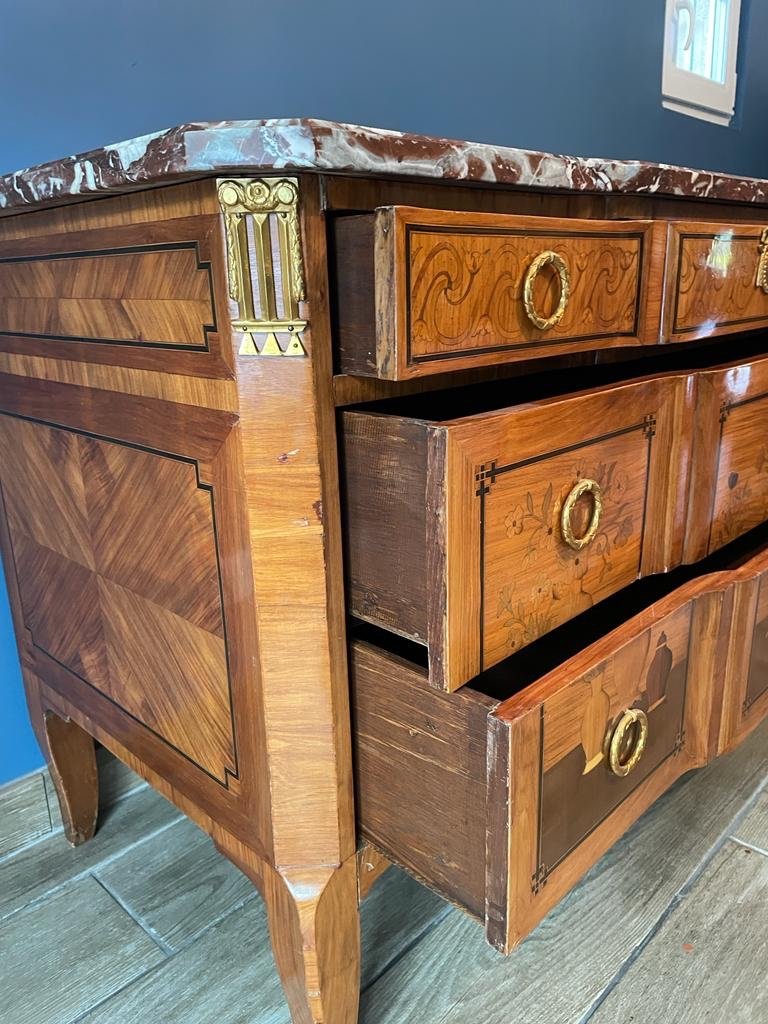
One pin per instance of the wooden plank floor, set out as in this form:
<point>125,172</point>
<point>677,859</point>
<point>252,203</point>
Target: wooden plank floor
<point>148,923</point>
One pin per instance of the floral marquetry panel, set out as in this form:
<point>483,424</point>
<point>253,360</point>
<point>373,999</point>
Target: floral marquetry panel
<point>115,552</point>
<point>550,508</point>
<point>533,580</point>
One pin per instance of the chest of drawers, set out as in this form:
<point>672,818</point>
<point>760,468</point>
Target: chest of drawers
<point>376,503</point>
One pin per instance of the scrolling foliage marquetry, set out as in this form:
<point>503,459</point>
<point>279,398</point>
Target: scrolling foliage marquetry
<point>264,262</point>
<point>467,291</point>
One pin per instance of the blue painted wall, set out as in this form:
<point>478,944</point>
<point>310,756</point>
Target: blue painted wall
<point>575,76</point>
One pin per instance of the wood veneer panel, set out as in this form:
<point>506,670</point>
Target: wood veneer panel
<point>711,280</point>
<point>420,292</point>
<point>129,285</point>
<point>343,194</point>
<point>745,695</point>
<point>487,515</point>
<point>729,483</point>
<point>132,506</point>
<point>115,551</point>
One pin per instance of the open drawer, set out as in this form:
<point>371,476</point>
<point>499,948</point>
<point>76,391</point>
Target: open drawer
<point>475,535</point>
<point>502,795</point>
<point>426,291</point>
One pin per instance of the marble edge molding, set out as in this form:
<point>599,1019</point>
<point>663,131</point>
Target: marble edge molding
<point>304,144</point>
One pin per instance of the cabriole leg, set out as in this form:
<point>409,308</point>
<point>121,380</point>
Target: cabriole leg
<point>314,926</point>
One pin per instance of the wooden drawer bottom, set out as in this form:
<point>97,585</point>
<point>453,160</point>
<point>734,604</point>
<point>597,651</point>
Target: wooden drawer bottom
<point>503,794</point>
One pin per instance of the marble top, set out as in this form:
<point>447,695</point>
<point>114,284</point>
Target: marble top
<point>240,147</point>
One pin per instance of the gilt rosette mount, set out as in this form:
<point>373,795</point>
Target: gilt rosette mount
<point>264,263</point>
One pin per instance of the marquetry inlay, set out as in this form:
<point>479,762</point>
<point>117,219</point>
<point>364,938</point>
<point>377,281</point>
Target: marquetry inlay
<point>115,551</point>
<point>156,295</point>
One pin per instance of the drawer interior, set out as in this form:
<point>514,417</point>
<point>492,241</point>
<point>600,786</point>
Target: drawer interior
<point>479,518</point>
<point>477,398</point>
<point>523,668</point>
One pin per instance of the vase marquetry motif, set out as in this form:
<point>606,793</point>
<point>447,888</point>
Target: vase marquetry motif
<point>596,715</point>
<point>657,679</point>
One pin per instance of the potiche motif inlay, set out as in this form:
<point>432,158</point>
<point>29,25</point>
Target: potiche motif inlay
<point>578,789</point>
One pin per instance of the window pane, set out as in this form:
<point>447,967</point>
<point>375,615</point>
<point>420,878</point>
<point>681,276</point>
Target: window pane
<point>701,37</point>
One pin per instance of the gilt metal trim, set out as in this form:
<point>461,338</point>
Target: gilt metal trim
<point>264,263</point>
<point>761,278</point>
<point>545,259</point>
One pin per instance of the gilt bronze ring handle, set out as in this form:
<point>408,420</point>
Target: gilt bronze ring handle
<point>585,486</point>
<point>628,742</point>
<point>542,260</point>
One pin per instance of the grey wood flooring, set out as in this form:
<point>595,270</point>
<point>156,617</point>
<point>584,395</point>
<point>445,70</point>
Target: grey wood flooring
<point>147,923</point>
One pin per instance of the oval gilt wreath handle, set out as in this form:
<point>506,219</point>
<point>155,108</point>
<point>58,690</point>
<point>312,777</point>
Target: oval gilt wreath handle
<point>628,742</point>
<point>544,259</point>
<point>584,486</point>
<point>761,280</point>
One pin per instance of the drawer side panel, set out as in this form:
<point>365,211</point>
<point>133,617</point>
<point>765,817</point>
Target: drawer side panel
<point>421,774</point>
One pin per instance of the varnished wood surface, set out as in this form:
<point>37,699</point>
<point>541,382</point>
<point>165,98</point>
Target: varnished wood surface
<point>745,701</point>
<point>162,502</point>
<point>567,807</point>
<point>344,194</point>
<point>133,462</point>
<point>499,571</point>
<point>553,806</point>
<point>126,598</point>
<point>134,295</point>
<point>420,292</point>
<point>731,420</point>
<point>679,460</point>
<point>132,284</point>
<point>711,280</point>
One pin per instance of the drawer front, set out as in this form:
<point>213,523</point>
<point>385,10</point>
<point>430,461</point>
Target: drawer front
<point>745,698</point>
<point>455,290</point>
<point>582,753</point>
<point>717,280</point>
<point>547,511</point>
<point>478,535</point>
<point>570,761</point>
<point>729,492</point>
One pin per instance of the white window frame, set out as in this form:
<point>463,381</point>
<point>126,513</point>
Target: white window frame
<point>692,94</point>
